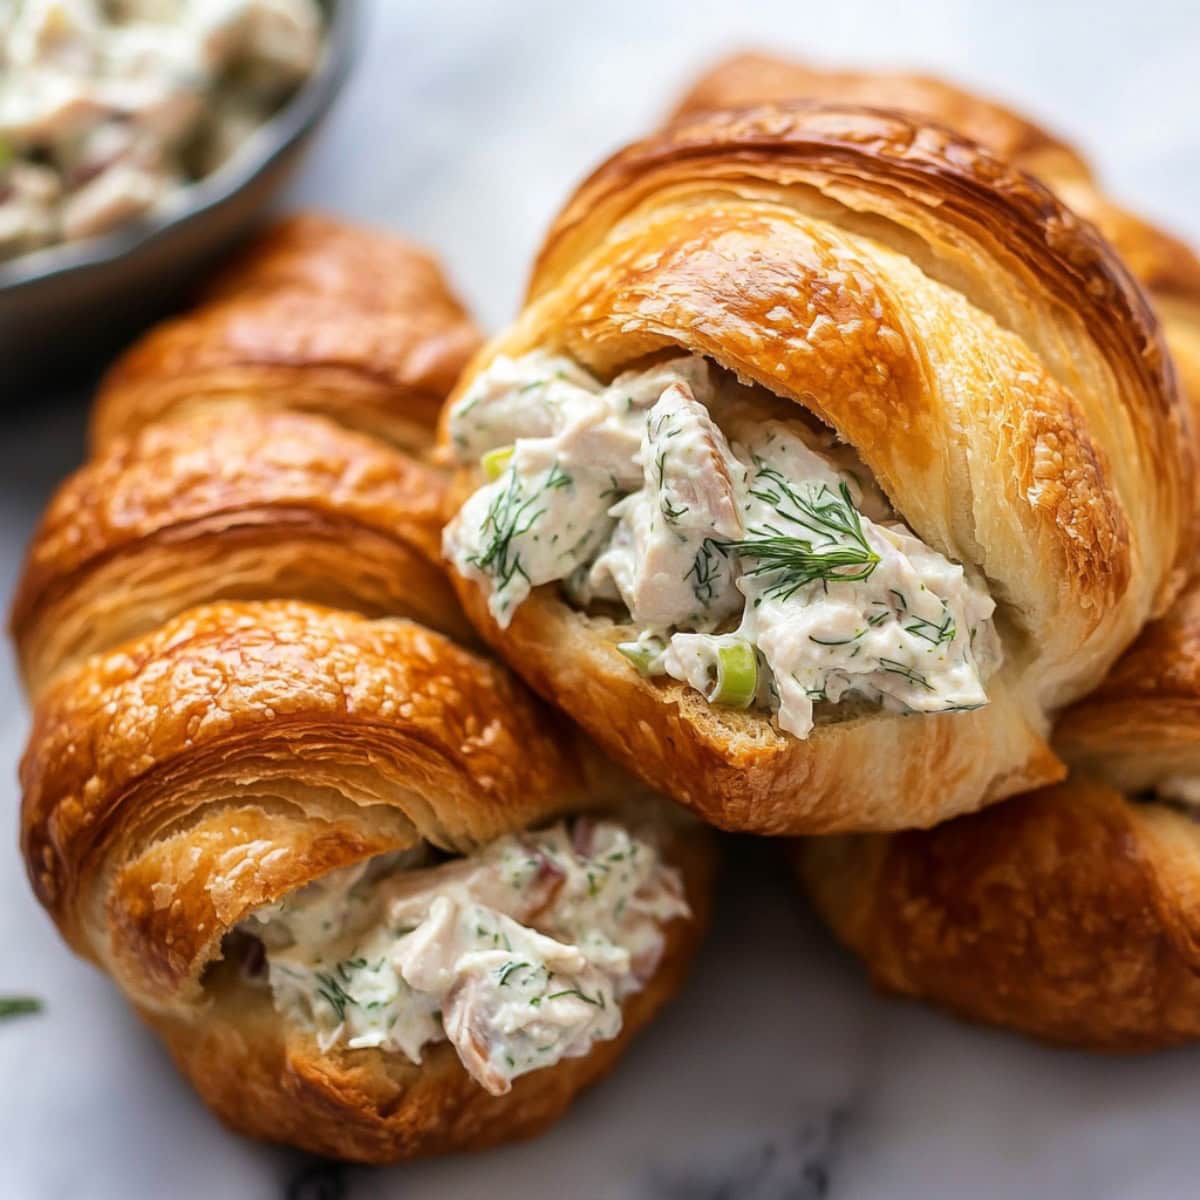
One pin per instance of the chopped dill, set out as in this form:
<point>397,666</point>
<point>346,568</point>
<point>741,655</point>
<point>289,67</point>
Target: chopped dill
<point>597,1001</point>
<point>19,1006</point>
<point>506,970</point>
<point>336,996</point>
<point>934,634</point>
<point>670,511</point>
<point>508,517</point>
<point>837,641</point>
<point>705,571</point>
<point>907,673</point>
<point>614,489</point>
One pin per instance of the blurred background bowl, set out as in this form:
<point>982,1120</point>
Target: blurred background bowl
<point>65,308</point>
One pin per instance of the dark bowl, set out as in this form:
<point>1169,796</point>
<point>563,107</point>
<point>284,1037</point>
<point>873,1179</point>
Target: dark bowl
<point>66,308</point>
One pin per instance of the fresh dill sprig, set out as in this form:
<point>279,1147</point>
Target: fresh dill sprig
<point>798,562</point>
<point>823,513</point>
<point>509,517</point>
<point>844,556</point>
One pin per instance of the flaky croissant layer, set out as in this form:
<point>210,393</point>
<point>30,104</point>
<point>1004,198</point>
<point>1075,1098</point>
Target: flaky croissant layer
<point>317,316</point>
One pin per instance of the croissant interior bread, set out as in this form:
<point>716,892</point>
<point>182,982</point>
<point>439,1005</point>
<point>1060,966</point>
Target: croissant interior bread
<point>1072,913</point>
<point>377,900</point>
<point>925,443</point>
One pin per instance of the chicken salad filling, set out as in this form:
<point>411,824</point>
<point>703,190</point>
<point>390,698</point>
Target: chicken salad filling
<point>108,107</point>
<point>519,955</point>
<point>754,555</point>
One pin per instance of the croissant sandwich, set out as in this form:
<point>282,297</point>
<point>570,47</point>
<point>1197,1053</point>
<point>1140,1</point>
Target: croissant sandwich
<point>377,901</point>
<point>829,458</point>
<point>1070,913</point>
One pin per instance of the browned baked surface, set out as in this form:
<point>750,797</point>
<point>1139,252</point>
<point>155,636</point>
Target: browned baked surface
<point>1164,265</point>
<point>753,77</point>
<point>982,348</point>
<point>320,316</point>
<point>1143,722</point>
<point>1070,914</point>
<point>218,504</point>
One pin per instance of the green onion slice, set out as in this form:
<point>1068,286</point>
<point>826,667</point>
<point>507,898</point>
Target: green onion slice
<point>16,1006</point>
<point>737,675</point>
<point>642,656</point>
<point>495,462</point>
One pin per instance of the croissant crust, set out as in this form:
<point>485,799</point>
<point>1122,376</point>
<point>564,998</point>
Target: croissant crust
<point>176,784</point>
<point>229,504</point>
<point>1163,264</point>
<point>1070,913</point>
<point>319,317</point>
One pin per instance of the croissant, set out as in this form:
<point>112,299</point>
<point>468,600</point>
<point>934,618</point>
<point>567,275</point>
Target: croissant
<point>829,458</point>
<point>317,316</point>
<point>376,899</point>
<point>232,502</point>
<point>1069,913</point>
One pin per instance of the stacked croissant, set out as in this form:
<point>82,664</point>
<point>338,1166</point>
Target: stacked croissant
<point>836,479</point>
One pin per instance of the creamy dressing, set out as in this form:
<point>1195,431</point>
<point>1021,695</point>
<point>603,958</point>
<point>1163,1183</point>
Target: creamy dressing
<point>108,106</point>
<point>519,955</point>
<point>1183,789</point>
<point>758,561</point>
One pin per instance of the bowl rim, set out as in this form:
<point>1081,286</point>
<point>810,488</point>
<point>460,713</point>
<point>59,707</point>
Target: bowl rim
<point>266,145</point>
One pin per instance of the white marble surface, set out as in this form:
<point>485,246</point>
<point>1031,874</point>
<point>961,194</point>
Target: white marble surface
<point>778,1074</point>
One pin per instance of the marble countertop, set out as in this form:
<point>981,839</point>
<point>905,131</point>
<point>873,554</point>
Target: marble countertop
<point>778,1074</point>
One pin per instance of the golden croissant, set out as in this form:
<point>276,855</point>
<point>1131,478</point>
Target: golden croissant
<point>377,901</point>
<point>829,458</point>
<point>1070,913</point>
